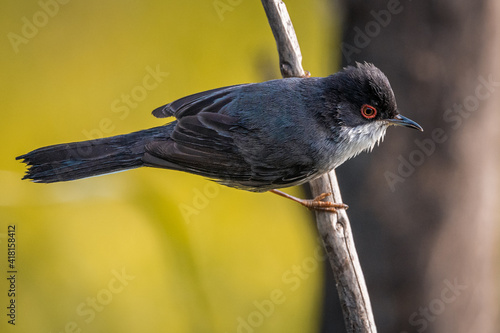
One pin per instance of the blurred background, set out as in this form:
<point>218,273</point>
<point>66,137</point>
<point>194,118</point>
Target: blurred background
<point>155,250</point>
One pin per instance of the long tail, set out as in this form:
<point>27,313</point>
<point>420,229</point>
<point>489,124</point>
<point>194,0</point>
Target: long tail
<point>77,160</point>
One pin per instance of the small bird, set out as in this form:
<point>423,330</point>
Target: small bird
<point>257,137</point>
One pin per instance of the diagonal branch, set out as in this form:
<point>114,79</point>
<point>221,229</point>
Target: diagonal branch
<point>334,229</point>
<point>286,40</point>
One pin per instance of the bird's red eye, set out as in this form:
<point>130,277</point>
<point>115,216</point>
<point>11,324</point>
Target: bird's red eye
<point>368,111</point>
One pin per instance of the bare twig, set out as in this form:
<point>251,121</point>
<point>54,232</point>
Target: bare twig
<point>334,229</point>
<point>286,40</point>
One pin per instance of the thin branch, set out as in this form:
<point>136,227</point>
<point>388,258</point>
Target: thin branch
<point>286,40</point>
<point>334,229</point>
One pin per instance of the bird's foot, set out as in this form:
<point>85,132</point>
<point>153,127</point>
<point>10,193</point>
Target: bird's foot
<point>316,203</point>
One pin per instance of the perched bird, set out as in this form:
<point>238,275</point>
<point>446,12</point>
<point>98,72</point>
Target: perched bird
<point>257,137</point>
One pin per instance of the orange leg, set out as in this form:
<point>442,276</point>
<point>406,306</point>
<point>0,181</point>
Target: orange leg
<point>315,203</point>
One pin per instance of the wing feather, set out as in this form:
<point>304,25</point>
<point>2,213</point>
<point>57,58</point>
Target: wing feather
<point>203,142</point>
<point>206,101</point>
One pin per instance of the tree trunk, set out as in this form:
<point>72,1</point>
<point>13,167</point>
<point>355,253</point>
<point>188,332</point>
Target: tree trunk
<point>424,203</point>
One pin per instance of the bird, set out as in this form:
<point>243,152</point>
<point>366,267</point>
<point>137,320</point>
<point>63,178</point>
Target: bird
<point>257,137</point>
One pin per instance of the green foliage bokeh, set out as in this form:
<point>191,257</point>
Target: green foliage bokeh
<point>196,256</point>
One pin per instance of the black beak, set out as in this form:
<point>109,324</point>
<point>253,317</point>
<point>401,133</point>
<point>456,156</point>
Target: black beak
<point>400,120</point>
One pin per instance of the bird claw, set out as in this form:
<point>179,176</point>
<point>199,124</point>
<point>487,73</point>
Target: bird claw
<point>318,204</point>
<point>322,196</point>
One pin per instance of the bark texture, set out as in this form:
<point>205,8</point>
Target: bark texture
<point>424,203</point>
<point>333,228</point>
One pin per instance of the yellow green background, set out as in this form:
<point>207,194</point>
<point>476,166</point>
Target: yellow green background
<point>199,257</point>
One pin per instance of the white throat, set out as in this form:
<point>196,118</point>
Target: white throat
<point>355,140</point>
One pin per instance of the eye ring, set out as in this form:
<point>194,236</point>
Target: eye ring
<point>368,111</point>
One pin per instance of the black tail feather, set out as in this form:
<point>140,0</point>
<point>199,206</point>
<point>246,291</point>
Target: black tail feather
<point>84,159</point>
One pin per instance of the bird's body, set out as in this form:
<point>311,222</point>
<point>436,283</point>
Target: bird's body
<point>256,137</point>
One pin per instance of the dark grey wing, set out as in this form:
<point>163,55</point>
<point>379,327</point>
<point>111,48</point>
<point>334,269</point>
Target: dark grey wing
<point>196,103</point>
<point>204,144</point>
<point>202,138</point>
<point>201,144</point>
<point>204,141</point>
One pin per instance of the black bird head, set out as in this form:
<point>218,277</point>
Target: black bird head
<point>365,97</point>
<point>363,107</point>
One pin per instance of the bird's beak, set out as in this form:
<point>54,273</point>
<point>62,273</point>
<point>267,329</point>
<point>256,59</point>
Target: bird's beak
<point>400,120</point>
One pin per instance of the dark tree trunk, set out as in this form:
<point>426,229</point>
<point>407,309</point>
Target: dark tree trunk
<point>423,204</point>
